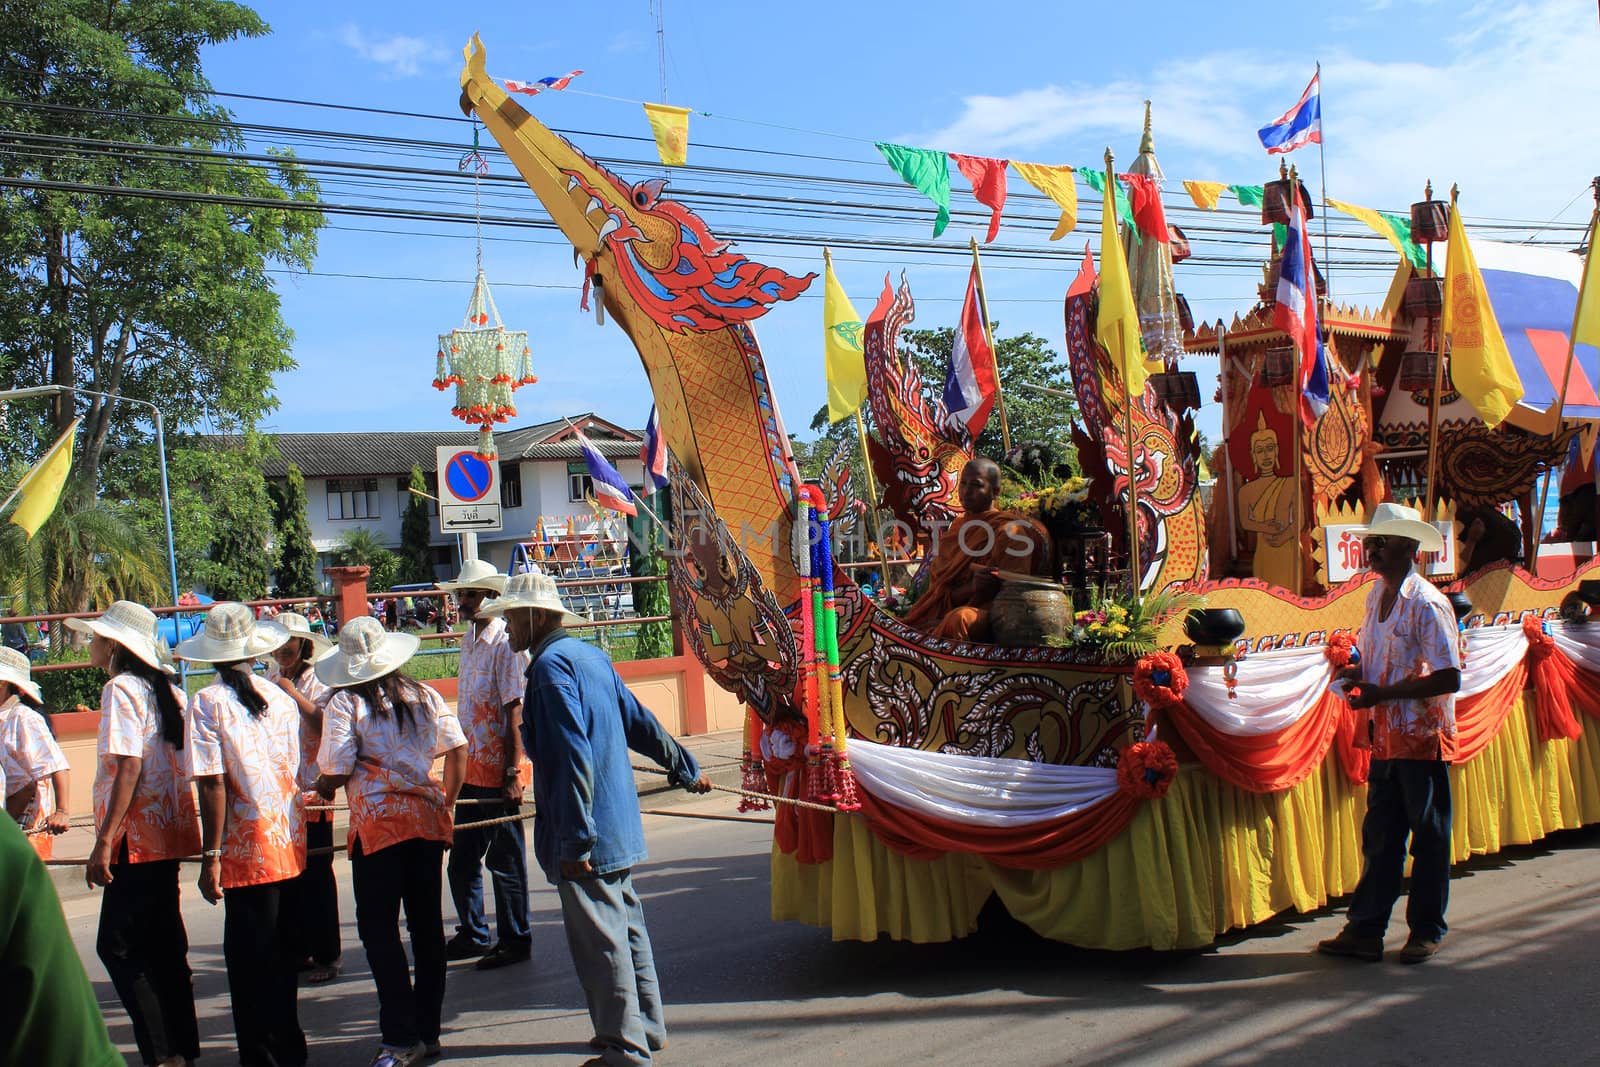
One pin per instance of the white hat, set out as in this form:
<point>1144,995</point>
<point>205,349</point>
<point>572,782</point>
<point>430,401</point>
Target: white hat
<point>476,574</point>
<point>133,626</point>
<point>532,589</point>
<point>15,668</point>
<point>231,633</point>
<point>300,626</point>
<point>1396,520</point>
<point>366,652</point>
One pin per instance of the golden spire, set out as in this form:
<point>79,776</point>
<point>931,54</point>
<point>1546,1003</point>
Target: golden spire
<point>1147,143</point>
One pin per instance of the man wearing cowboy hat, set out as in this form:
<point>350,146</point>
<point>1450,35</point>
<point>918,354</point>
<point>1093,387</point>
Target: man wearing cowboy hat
<point>579,722</point>
<point>1409,673</point>
<point>489,704</point>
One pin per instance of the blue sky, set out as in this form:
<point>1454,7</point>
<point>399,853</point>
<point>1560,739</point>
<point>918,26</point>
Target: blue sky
<point>1483,95</point>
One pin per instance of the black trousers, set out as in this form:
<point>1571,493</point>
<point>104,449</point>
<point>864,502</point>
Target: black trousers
<point>260,936</point>
<point>319,897</point>
<point>409,873</point>
<point>145,949</point>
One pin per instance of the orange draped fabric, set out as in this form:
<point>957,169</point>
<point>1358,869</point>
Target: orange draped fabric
<point>1036,847</point>
<point>1264,763</point>
<point>1354,760</point>
<point>1479,718</point>
<point>1556,682</point>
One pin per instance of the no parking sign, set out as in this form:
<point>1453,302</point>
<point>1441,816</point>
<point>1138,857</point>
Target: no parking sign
<point>469,490</point>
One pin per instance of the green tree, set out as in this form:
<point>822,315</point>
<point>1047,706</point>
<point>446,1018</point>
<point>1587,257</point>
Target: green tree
<point>135,245</point>
<point>416,531</point>
<point>85,554</point>
<point>297,555</point>
<point>647,559</point>
<point>360,547</point>
<point>241,558</point>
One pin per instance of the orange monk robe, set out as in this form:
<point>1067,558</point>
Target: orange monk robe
<point>995,540</point>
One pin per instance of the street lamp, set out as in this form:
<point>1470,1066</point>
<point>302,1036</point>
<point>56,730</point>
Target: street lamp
<point>161,449</point>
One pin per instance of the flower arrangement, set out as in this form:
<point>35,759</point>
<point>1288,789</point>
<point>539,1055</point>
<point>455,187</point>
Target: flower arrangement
<point>1064,505</point>
<point>1342,651</point>
<point>1122,628</point>
<point>1146,769</point>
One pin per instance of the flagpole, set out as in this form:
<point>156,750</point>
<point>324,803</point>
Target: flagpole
<point>1443,346</point>
<point>1133,490</point>
<point>1322,168</point>
<point>988,333</point>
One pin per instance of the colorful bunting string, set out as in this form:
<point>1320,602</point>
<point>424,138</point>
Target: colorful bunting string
<point>988,178</point>
<point>926,170</point>
<point>1056,183</point>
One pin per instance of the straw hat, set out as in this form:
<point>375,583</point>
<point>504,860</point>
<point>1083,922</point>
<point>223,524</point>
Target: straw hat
<point>1395,520</point>
<point>366,652</point>
<point>231,633</point>
<point>476,574</point>
<point>133,626</point>
<point>534,589</point>
<point>300,626</point>
<point>15,668</point>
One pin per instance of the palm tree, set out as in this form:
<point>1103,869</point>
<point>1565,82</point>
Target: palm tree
<point>361,547</point>
<point>86,555</point>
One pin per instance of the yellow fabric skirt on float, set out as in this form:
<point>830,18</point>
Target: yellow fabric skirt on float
<point>1206,858</point>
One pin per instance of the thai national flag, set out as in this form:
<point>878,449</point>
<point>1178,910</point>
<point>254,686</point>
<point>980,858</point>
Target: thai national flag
<point>534,88</point>
<point>1296,313</point>
<point>610,491</point>
<point>654,454</point>
<point>1300,125</point>
<point>971,382</point>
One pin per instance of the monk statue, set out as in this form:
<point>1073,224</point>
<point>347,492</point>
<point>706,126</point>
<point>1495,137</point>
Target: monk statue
<point>961,580</point>
<point>1266,508</point>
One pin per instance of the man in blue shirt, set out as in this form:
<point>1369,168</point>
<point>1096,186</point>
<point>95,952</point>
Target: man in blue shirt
<point>579,721</point>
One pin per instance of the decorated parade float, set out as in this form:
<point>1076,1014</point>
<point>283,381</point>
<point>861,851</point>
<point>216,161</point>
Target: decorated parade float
<point>1145,776</point>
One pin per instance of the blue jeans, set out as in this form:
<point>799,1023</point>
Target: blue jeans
<point>506,850</point>
<point>611,950</point>
<point>1405,797</point>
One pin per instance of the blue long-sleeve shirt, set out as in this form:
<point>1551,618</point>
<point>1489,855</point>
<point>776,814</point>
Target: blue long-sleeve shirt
<point>579,720</point>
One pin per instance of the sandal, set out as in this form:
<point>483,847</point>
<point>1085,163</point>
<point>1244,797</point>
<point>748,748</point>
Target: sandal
<point>320,973</point>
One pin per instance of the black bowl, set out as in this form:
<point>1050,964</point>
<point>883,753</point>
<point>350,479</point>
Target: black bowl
<point>1214,626</point>
<point>1589,589</point>
<point>1461,604</point>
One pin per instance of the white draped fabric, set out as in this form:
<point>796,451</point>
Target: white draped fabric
<point>977,789</point>
<point>1580,644</point>
<point>1276,689</point>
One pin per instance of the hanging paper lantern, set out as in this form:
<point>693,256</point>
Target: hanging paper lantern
<point>485,362</point>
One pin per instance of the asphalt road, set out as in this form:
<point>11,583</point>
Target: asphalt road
<point>1516,982</point>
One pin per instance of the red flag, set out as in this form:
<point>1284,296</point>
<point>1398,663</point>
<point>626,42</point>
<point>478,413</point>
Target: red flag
<point>1145,197</point>
<point>1087,278</point>
<point>988,178</point>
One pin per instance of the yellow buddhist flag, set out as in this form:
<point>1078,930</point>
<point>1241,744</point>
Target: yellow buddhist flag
<point>671,127</point>
<point>1056,183</point>
<point>1205,194</point>
<point>1117,328</point>
<point>1480,364</point>
<point>1586,322</point>
<point>844,363</point>
<point>40,488</point>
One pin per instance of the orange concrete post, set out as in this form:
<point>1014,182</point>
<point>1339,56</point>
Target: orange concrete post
<point>349,591</point>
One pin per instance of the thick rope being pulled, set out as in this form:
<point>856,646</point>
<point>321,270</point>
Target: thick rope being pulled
<point>770,797</point>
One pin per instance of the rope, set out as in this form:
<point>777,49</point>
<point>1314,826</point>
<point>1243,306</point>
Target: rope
<point>772,797</point>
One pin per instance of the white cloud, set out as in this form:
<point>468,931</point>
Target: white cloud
<point>401,56</point>
<point>1497,104</point>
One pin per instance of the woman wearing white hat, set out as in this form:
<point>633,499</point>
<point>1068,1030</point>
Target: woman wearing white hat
<point>381,733</point>
<point>244,737</point>
<point>37,786</point>
<point>291,669</point>
<point>145,821</point>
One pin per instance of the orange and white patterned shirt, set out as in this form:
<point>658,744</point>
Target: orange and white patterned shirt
<point>32,755</point>
<point>258,757</point>
<point>491,676</point>
<point>1418,638</point>
<point>314,690</point>
<point>161,823</point>
<point>393,794</point>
